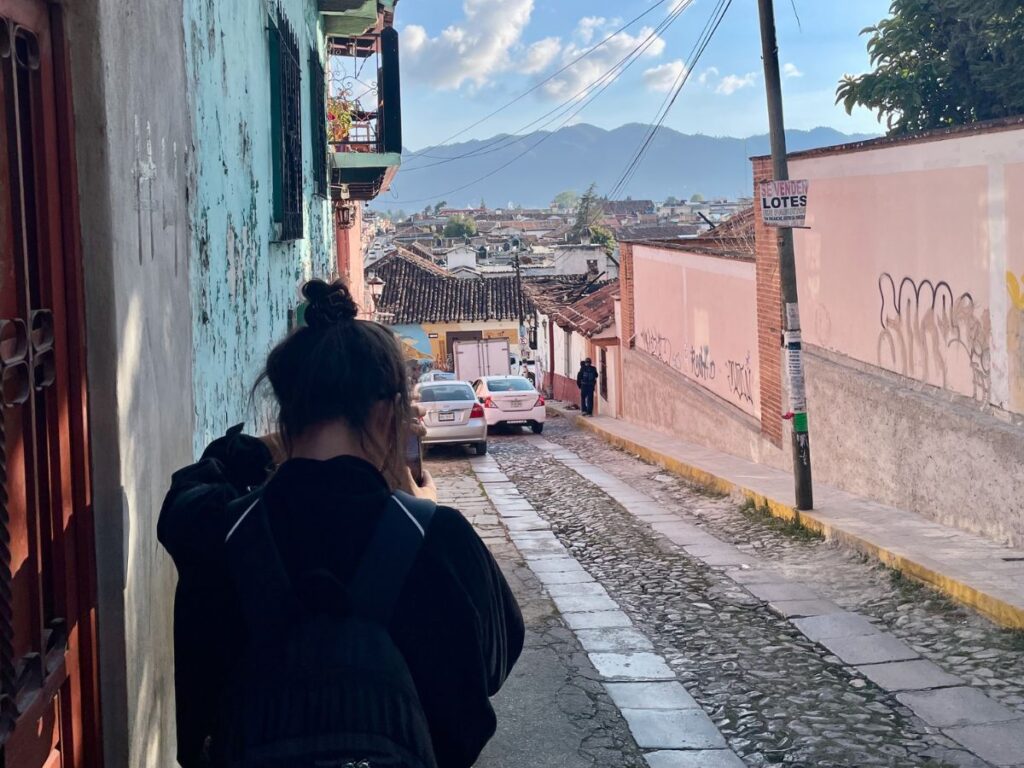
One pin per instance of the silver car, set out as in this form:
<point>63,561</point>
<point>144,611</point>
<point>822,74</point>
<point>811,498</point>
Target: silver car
<point>453,415</point>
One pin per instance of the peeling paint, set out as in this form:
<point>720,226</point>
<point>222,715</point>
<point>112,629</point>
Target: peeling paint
<point>242,283</point>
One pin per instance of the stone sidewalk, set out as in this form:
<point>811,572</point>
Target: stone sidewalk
<point>989,730</point>
<point>664,719</point>
<point>966,567</point>
<point>553,711</point>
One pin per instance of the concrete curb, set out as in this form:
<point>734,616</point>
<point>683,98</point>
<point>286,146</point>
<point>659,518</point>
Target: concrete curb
<point>1003,613</point>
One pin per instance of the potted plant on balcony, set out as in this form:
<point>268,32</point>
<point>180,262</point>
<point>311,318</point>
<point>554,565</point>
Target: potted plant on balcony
<point>339,119</point>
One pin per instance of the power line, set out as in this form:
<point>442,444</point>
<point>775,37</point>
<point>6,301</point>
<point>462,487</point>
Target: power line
<point>515,137</point>
<point>548,79</point>
<point>711,28</point>
<point>608,79</point>
<point>670,98</point>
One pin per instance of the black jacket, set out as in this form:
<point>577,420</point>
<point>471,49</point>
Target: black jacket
<point>587,377</point>
<point>456,623</point>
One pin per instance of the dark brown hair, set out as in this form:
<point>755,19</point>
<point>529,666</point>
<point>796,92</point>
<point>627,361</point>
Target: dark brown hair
<point>338,367</point>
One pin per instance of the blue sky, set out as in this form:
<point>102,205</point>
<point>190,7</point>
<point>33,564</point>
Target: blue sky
<point>462,59</point>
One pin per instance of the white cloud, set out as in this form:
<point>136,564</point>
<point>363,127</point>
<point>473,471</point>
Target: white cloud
<point>729,84</point>
<point>540,55</point>
<point>675,5</point>
<point>594,67</point>
<point>791,70</point>
<point>588,27</point>
<point>472,50</point>
<point>662,78</point>
<point>708,75</point>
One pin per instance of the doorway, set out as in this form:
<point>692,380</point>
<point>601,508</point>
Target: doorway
<point>49,710</point>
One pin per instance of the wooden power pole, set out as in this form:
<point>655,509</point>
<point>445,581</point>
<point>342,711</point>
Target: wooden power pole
<point>787,266</point>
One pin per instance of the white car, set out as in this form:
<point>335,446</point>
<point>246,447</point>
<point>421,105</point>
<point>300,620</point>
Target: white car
<point>453,415</point>
<point>512,401</point>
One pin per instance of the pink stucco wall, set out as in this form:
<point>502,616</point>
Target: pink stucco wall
<point>1015,283</point>
<point>697,314</point>
<point>904,263</point>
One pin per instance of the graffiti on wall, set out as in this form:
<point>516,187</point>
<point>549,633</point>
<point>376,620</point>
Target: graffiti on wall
<point>930,333</point>
<point>1015,339</point>
<point>656,345</point>
<point>702,365</point>
<point>741,380</point>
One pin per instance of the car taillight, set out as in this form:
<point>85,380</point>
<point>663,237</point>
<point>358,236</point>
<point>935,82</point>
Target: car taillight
<point>540,402</point>
<point>489,403</point>
<point>477,412</point>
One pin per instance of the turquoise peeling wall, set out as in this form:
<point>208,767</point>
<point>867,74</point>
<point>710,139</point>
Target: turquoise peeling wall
<point>242,285</point>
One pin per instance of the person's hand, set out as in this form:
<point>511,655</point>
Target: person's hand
<point>422,490</point>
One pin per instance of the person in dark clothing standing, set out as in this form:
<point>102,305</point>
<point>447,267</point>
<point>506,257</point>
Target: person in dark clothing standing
<point>344,408</point>
<point>586,380</point>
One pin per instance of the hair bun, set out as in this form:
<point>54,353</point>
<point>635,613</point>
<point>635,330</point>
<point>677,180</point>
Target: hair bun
<point>329,304</point>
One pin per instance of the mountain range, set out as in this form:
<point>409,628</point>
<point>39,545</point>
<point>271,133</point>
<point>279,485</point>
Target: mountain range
<point>530,170</point>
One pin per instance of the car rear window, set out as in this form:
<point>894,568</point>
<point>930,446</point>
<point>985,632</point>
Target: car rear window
<point>445,393</point>
<point>509,385</point>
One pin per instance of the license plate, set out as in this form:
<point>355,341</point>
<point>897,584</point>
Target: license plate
<point>516,403</point>
<point>446,417</point>
<point>515,423</point>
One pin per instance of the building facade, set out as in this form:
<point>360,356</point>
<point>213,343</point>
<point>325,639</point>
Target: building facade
<point>157,226</point>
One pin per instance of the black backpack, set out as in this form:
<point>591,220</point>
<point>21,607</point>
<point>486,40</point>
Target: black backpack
<point>320,683</point>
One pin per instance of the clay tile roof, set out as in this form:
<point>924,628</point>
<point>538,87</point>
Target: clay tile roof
<point>574,303</point>
<point>418,291</point>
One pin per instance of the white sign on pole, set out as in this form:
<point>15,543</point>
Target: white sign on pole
<point>784,203</point>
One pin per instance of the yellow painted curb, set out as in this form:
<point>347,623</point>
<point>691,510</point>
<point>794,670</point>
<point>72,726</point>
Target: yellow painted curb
<point>998,610</point>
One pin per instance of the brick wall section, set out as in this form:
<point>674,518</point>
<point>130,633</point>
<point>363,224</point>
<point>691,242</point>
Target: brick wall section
<point>628,331</point>
<point>769,314</point>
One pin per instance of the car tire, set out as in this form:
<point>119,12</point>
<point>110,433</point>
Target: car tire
<point>481,449</point>
<point>537,428</point>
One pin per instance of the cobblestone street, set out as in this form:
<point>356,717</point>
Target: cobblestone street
<point>666,622</point>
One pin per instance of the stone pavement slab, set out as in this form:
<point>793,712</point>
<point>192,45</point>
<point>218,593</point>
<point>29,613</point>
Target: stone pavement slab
<point>796,609</point>
<point>784,591</point>
<point>967,567</point>
<point>1001,743</point>
<point>666,695</point>
<point>819,628</point>
<point>632,666</point>
<point>700,758</point>
<point>597,620</point>
<point>678,729</point>
<point>869,649</point>
<point>957,706</point>
<point>613,639</point>
<point>909,676</point>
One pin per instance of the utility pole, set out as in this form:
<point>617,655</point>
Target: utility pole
<point>787,266</point>
<point>519,283</point>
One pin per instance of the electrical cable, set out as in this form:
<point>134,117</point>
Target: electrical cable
<point>670,98</point>
<point>714,22</point>
<point>508,140</point>
<point>546,80</point>
<point>608,81</point>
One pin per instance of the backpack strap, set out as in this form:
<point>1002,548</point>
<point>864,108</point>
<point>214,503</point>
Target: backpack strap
<point>392,551</point>
<point>261,581</point>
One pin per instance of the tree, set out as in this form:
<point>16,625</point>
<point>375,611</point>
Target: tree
<point>671,200</point>
<point>438,207</point>
<point>942,62</point>
<point>696,197</point>
<point>566,201</point>
<point>602,236</point>
<point>460,225</point>
<point>589,212</point>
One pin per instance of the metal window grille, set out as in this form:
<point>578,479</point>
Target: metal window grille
<point>288,103</point>
<point>318,109</point>
<point>604,373</point>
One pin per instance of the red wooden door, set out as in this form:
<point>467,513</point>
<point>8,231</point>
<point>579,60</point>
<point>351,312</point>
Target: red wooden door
<point>48,701</point>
